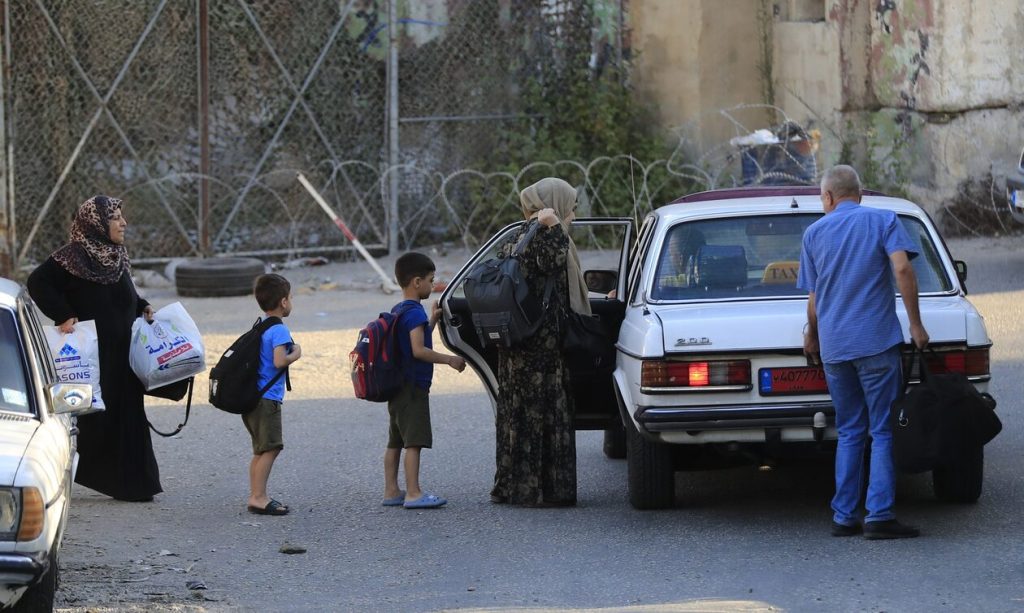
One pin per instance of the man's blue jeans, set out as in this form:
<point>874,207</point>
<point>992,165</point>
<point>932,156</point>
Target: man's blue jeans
<point>863,391</point>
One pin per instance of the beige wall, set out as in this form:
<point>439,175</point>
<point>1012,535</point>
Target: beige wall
<point>696,57</point>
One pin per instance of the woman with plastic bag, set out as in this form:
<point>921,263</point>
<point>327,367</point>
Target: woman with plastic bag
<point>90,278</point>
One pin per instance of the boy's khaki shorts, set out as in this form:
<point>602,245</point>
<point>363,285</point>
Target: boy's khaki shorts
<point>409,419</point>
<point>264,426</point>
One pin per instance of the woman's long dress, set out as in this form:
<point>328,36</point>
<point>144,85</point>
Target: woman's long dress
<point>535,432</point>
<point>115,446</point>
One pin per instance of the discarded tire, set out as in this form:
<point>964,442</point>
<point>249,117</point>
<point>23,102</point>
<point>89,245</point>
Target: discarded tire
<point>217,276</point>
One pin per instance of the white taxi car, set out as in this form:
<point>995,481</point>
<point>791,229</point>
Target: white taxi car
<point>37,455</point>
<point>710,367</point>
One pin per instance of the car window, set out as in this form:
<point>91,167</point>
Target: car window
<point>732,257</point>
<point>931,274</point>
<point>13,376</point>
<point>637,255</point>
<point>599,246</point>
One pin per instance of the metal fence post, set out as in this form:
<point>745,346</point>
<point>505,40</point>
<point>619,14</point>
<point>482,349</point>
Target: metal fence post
<point>203,40</point>
<point>393,150</point>
<point>7,219</point>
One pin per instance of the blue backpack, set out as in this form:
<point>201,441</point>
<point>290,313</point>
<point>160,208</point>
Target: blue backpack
<point>376,362</point>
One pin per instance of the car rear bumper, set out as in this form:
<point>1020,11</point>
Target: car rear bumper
<point>685,419</point>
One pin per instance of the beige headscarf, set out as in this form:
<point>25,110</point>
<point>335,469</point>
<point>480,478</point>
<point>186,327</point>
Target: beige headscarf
<point>552,193</point>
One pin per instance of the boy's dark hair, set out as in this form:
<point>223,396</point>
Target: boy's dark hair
<point>270,289</point>
<point>412,265</point>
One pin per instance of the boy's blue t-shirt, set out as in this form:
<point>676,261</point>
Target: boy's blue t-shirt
<point>273,337</point>
<point>422,372</point>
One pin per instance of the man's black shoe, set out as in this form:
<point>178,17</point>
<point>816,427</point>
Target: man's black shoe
<point>844,530</point>
<point>889,529</point>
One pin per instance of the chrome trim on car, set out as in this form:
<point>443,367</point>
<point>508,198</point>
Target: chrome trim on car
<point>661,419</point>
<point>29,566</point>
<point>689,390</point>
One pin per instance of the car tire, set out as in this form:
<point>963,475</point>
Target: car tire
<point>212,277</point>
<point>961,482</point>
<point>40,597</point>
<point>615,442</point>
<point>652,475</point>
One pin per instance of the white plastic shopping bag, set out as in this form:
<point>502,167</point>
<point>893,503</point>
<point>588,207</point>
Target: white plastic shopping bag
<point>76,356</point>
<point>168,350</point>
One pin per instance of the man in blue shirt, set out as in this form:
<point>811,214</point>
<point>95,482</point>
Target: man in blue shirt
<point>847,264</point>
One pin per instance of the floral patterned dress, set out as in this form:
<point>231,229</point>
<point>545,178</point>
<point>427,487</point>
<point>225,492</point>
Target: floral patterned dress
<point>536,437</point>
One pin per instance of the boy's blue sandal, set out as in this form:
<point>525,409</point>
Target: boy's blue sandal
<point>397,501</point>
<point>273,508</point>
<point>426,501</point>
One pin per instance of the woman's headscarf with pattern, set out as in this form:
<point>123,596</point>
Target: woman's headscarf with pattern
<point>552,193</point>
<point>90,254</point>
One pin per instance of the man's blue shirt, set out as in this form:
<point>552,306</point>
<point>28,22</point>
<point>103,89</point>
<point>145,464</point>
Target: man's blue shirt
<point>845,262</point>
<point>415,316</point>
<point>273,337</point>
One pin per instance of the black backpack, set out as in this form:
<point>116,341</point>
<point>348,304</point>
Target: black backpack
<point>233,381</point>
<point>504,311</point>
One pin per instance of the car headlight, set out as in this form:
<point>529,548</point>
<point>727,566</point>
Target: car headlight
<point>21,513</point>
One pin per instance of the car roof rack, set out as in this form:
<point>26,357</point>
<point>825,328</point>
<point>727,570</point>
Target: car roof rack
<point>734,193</point>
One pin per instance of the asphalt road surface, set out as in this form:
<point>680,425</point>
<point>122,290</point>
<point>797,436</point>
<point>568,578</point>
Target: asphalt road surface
<point>739,539</point>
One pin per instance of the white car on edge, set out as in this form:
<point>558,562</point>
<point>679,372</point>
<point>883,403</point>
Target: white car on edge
<point>37,455</point>
<point>710,368</point>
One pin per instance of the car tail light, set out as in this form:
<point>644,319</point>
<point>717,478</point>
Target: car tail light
<point>711,375</point>
<point>32,514</point>
<point>968,362</point>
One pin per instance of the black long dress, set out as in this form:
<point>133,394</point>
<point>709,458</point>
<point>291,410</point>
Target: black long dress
<point>535,434</point>
<point>115,446</point>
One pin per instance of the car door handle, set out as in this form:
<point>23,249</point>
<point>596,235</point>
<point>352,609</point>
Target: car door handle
<point>455,321</point>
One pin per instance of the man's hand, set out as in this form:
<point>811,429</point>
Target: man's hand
<point>295,352</point>
<point>812,349</point>
<point>68,326</point>
<point>919,335</point>
<point>457,363</point>
<point>148,313</point>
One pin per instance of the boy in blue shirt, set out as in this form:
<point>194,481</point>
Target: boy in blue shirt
<point>409,411</point>
<point>277,352</point>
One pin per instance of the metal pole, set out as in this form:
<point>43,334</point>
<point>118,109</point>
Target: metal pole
<point>8,219</point>
<point>393,151</point>
<point>203,16</point>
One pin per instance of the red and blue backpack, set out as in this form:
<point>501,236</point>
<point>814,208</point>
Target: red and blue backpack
<point>376,363</point>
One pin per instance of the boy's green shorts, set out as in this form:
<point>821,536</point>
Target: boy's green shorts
<point>264,426</point>
<point>409,419</point>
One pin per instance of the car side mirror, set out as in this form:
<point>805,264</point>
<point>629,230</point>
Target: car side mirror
<point>961,271</point>
<point>601,281</point>
<point>71,398</point>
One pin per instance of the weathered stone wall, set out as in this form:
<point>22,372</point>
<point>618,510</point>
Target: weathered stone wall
<point>944,80</point>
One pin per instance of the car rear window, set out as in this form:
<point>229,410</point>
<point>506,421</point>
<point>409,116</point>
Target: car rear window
<point>758,257</point>
<point>13,380</point>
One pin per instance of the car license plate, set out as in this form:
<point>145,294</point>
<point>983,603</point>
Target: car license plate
<point>1017,199</point>
<point>799,380</point>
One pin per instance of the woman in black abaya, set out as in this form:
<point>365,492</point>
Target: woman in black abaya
<point>90,278</point>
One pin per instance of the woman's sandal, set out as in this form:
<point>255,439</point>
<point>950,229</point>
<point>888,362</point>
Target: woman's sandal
<point>273,508</point>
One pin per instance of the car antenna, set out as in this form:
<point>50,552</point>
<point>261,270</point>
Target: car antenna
<point>794,205</point>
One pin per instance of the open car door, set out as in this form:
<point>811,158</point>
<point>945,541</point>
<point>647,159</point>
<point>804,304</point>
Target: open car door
<point>603,245</point>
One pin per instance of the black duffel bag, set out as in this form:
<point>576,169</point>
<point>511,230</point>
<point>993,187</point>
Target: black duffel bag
<point>941,420</point>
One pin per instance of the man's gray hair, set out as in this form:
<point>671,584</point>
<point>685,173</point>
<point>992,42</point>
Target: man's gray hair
<point>842,181</point>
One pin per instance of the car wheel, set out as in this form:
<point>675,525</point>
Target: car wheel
<point>962,481</point>
<point>217,276</point>
<point>652,477</point>
<point>40,597</point>
<point>615,442</point>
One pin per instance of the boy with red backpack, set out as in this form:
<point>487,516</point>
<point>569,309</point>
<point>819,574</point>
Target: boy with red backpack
<point>409,410</point>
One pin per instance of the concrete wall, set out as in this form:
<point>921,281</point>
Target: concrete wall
<point>942,79</point>
<point>695,57</point>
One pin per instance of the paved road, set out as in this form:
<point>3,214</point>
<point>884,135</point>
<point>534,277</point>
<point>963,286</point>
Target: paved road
<point>740,540</point>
